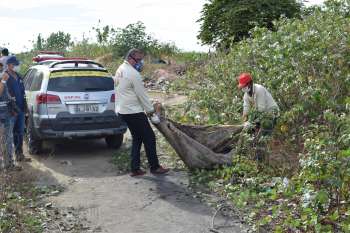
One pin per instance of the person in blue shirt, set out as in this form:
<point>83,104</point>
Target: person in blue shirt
<point>16,89</point>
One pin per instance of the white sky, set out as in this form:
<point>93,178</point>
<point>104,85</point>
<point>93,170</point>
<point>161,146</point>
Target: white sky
<point>167,20</point>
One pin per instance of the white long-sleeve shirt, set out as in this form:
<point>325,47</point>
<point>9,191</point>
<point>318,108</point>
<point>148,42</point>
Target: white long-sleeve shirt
<point>262,100</point>
<point>131,95</point>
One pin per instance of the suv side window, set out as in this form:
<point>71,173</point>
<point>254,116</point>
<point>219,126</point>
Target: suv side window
<point>37,80</point>
<point>28,79</point>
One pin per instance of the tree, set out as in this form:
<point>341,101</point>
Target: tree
<point>121,40</point>
<point>104,34</point>
<point>132,36</point>
<point>226,21</point>
<point>59,41</point>
<point>340,6</point>
<point>39,43</point>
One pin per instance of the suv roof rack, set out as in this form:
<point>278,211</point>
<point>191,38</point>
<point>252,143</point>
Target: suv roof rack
<point>75,62</point>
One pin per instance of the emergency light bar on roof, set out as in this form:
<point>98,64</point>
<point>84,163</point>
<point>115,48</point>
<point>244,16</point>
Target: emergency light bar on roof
<point>40,59</point>
<point>51,52</point>
<point>44,55</point>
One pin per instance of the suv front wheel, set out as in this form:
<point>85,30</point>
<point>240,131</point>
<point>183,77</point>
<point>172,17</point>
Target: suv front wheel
<point>114,141</point>
<point>33,141</point>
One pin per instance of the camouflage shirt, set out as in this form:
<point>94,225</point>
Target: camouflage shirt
<point>4,104</point>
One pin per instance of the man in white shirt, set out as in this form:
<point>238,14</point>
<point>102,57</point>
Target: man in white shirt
<point>132,102</point>
<point>259,108</point>
<point>256,97</point>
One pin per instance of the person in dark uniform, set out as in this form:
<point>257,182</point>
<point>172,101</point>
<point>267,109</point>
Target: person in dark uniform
<point>16,89</point>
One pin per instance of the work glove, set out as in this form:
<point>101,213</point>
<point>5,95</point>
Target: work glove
<point>247,125</point>
<point>155,119</point>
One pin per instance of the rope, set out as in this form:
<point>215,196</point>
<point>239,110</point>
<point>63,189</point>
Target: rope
<point>221,207</point>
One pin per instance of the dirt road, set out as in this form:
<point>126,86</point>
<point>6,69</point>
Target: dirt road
<point>117,203</point>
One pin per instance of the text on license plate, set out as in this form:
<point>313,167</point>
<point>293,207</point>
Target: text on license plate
<point>79,108</point>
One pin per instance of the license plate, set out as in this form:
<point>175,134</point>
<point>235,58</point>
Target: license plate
<point>81,108</point>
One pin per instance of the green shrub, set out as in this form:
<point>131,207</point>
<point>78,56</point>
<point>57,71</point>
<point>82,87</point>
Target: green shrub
<point>325,171</point>
<point>305,65</point>
<point>89,50</point>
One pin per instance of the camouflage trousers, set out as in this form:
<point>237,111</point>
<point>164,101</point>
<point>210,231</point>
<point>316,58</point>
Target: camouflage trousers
<point>254,140</point>
<point>6,143</point>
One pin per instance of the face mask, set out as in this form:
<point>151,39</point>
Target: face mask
<point>246,89</point>
<point>16,68</point>
<point>138,66</point>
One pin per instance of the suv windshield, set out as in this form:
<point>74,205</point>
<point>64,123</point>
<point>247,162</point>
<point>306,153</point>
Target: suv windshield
<point>80,84</point>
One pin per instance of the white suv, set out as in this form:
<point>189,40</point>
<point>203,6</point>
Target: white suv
<point>71,99</point>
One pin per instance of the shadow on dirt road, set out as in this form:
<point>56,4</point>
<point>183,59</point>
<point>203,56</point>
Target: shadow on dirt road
<point>79,158</point>
<point>119,203</point>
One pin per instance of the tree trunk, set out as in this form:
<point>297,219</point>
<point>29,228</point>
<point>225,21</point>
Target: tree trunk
<point>200,146</point>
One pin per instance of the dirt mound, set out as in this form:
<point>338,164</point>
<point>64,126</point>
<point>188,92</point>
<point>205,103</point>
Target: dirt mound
<point>105,59</point>
<point>162,76</point>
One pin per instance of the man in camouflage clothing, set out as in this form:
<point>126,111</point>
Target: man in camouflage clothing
<point>6,128</point>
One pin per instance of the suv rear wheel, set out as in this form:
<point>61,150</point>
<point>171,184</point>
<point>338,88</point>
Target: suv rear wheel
<point>33,141</point>
<point>115,141</point>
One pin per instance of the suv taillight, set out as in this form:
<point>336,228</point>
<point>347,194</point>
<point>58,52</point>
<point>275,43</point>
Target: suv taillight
<point>47,99</point>
<point>113,98</point>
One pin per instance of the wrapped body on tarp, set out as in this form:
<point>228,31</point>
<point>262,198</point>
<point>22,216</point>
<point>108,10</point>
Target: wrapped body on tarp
<point>200,146</point>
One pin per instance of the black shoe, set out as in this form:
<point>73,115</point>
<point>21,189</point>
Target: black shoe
<point>22,158</point>
<point>13,168</point>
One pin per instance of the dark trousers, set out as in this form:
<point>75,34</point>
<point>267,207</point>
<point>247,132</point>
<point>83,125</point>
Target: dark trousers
<point>141,132</point>
<point>18,132</point>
